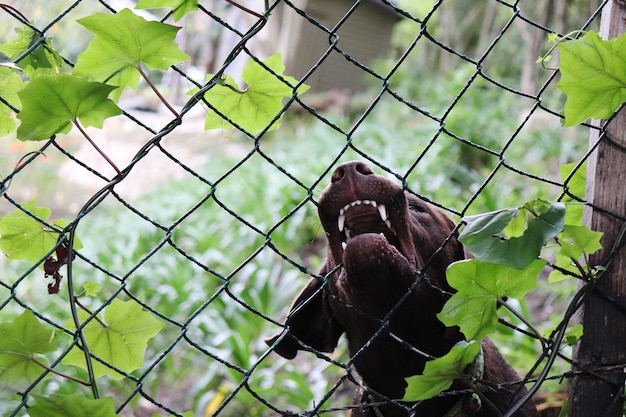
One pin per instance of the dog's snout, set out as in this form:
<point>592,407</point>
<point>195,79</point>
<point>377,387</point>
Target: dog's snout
<point>350,171</point>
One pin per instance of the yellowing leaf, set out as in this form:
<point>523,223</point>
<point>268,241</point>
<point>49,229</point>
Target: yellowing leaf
<point>121,341</point>
<point>593,76</point>
<point>254,108</point>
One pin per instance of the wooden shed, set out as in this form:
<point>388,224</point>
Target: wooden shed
<point>362,35</point>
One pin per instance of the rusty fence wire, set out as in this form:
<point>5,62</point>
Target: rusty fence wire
<point>214,231</point>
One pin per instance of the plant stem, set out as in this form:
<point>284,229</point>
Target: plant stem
<point>100,151</point>
<point>14,10</point>
<point>61,374</point>
<point>96,318</point>
<point>156,91</point>
<point>73,302</point>
<point>526,322</point>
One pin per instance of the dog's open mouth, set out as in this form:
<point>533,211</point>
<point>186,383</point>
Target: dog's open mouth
<point>365,216</point>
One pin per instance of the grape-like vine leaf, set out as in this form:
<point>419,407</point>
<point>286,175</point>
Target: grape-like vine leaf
<point>122,42</point>
<point>10,85</point>
<point>91,288</point>
<point>22,344</point>
<point>479,286</point>
<point>179,7</point>
<point>26,238</point>
<point>120,338</point>
<point>524,230</point>
<point>51,103</point>
<point>43,58</point>
<point>439,373</point>
<point>593,76</point>
<point>574,243</point>
<point>72,406</point>
<point>254,107</point>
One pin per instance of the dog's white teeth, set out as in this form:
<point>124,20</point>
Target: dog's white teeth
<point>388,223</point>
<point>347,233</point>
<point>341,221</point>
<point>343,245</point>
<point>382,210</point>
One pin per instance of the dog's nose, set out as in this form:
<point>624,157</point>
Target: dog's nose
<point>350,171</point>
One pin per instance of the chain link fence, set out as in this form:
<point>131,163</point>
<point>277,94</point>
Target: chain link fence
<point>212,232</point>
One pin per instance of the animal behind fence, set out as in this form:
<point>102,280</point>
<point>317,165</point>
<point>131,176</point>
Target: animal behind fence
<point>382,284</point>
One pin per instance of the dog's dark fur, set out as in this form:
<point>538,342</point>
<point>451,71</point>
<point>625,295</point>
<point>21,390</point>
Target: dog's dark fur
<point>373,278</point>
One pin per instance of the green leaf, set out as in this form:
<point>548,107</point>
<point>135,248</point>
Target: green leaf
<point>479,286</point>
<point>187,414</point>
<point>485,234</point>
<point>51,103</point>
<point>577,183</point>
<point>72,406</point>
<point>593,76</point>
<point>179,7</point>
<point>575,187</point>
<point>22,342</point>
<point>91,288</point>
<point>255,107</point>
<point>10,85</point>
<point>23,237</point>
<point>439,373</point>
<point>573,335</point>
<point>121,341</point>
<point>43,57</point>
<point>575,242</point>
<point>122,42</point>
<point>565,263</point>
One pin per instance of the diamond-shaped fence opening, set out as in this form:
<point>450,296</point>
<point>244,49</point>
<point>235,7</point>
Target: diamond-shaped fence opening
<point>194,212</point>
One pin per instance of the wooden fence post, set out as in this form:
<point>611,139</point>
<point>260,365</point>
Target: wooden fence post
<point>600,358</point>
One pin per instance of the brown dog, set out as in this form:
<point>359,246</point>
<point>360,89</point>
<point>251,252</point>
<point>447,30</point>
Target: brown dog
<point>387,257</point>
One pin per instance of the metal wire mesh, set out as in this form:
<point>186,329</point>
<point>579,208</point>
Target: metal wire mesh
<point>213,232</point>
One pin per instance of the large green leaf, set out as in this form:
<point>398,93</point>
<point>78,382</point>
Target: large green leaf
<point>72,406</point>
<point>23,237</point>
<point>255,107</point>
<point>51,103</point>
<point>22,342</point>
<point>479,286</point>
<point>439,373</point>
<point>179,7</point>
<point>121,341</point>
<point>513,236</point>
<point>593,76</point>
<point>122,42</point>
